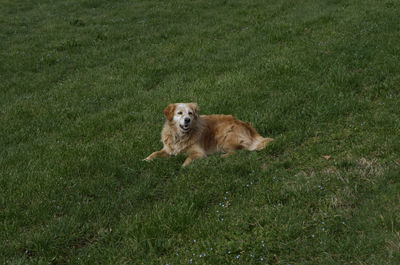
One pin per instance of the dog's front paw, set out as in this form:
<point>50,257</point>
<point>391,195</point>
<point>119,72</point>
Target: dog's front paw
<point>147,159</point>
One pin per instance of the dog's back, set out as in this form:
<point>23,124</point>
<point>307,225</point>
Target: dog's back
<point>224,133</point>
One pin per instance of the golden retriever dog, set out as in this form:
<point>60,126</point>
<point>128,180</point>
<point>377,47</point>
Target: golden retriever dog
<point>185,131</point>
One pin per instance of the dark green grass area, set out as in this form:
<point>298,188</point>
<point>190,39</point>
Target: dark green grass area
<point>83,86</point>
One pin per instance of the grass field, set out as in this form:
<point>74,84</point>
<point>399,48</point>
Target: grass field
<point>83,86</point>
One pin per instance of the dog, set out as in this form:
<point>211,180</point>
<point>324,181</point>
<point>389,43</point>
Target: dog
<point>185,131</point>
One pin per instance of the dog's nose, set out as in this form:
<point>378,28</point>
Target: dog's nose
<point>187,120</point>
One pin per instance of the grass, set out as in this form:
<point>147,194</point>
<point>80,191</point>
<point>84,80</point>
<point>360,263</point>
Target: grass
<point>83,85</point>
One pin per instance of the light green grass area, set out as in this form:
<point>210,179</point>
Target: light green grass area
<point>83,87</point>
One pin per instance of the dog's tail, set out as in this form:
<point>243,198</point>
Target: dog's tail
<point>259,143</point>
<point>254,140</point>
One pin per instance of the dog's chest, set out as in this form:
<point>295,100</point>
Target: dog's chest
<point>175,144</point>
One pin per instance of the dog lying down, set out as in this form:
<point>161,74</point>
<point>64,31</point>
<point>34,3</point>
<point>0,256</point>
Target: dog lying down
<point>185,131</point>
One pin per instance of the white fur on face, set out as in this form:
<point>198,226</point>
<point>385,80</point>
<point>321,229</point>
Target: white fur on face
<point>182,112</point>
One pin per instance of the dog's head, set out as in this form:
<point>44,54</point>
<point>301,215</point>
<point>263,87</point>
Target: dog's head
<point>182,114</point>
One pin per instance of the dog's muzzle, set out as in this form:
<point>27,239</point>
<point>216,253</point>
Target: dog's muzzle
<point>185,127</point>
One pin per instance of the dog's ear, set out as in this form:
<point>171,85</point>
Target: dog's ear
<point>195,108</point>
<point>169,111</point>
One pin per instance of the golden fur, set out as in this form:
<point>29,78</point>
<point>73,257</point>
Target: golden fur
<point>205,134</point>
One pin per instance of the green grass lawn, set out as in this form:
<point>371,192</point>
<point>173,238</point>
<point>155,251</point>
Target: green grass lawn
<point>83,86</point>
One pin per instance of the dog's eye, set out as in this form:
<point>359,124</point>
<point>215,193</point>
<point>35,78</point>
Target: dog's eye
<point>180,113</point>
<point>190,113</point>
